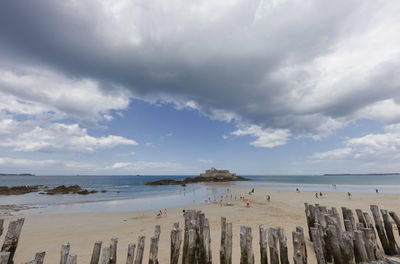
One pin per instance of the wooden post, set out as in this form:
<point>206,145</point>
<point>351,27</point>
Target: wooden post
<point>157,231</point>
<point>4,257</point>
<point>105,255</point>
<point>370,224</point>
<point>263,245</point>
<point>369,244</point>
<point>297,249</point>
<point>191,247</point>
<point>317,240</point>
<point>283,250</point>
<point>176,241</point>
<point>1,226</point>
<point>39,257</point>
<point>207,242</point>
<point>131,253</point>
<point>395,218</point>
<point>64,253</point>
<point>380,230</point>
<point>153,256</point>
<point>189,216</point>
<point>96,252</point>
<point>300,230</point>
<point>394,249</point>
<point>333,241</point>
<point>222,253</point>
<point>140,250</point>
<point>360,252</point>
<point>361,218</point>
<point>273,245</point>
<point>72,259</point>
<point>347,247</point>
<point>113,250</point>
<point>11,240</point>
<point>350,224</point>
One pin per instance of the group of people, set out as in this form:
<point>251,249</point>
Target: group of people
<point>162,213</point>
<point>321,195</point>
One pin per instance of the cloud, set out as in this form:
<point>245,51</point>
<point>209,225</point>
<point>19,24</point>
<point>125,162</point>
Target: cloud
<point>47,163</point>
<point>206,161</point>
<point>266,138</point>
<point>225,136</point>
<point>146,166</point>
<point>286,67</point>
<point>371,147</point>
<point>54,137</point>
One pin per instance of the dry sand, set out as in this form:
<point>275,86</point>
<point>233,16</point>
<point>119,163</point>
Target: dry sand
<point>286,209</point>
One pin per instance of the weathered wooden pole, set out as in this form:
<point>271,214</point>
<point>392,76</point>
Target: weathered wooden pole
<point>228,244</point>
<point>190,254</point>
<point>222,253</point>
<point>283,250</point>
<point>64,253</point>
<point>297,249</point>
<point>113,250</point>
<point>39,257</point>
<point>360,252</point>
<point>273,245</point>
<point>394,249</point>
<point>176,241</point>
<point>153,256</point>
<point>4,257</point>
<point>318,248</point>
<point>396,219</point>
<point>96,253</point>
<point>157,231</point>
<point>300,230</point>
<point>11,240</point>
<point>333,242</point>
<point>140,250</point>
<point>1,226</point>
<point>131,253</point>
<point>380,230</point>
<point>246,245</point>
<point>207,256</point>
<point>105,255</point>
<point>361,218</point>
<point>72,259</point>
<point>263,245</point>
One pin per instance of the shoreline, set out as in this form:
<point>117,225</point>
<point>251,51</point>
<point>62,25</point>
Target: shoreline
<point>286,209</point>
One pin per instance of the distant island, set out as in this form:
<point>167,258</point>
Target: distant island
<point>362,174</point>
<point>14,174</point>
<point>211,175</point>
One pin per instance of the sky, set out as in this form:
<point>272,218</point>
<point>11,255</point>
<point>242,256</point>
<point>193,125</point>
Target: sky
<point>258,87</point>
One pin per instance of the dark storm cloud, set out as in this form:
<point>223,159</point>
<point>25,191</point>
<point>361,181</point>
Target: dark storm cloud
<point>269,63</point>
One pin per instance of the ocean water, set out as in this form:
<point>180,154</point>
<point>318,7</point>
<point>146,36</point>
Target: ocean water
<point>129,193</point>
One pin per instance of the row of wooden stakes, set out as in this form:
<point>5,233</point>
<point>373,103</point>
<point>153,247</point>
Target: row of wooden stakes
<point>357,242</point>
<point>196,248</point>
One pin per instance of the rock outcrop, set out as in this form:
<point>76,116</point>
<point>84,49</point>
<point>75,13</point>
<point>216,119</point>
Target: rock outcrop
<point>62,189</point>
<point>212,175</point>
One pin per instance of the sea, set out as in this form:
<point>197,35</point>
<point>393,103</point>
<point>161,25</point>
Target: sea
<point>129,193</point>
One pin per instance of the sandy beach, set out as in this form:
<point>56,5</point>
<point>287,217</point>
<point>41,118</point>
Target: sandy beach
<point>286,209</point>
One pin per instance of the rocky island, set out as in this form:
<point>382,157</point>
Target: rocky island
<point>211,175</point>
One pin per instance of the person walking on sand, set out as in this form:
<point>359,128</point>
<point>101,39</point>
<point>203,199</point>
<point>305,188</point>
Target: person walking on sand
<point>376,190</point>
<point>349,194</point>
<point>316,195</point>
<point>268,198</point>
<point>165,212</point>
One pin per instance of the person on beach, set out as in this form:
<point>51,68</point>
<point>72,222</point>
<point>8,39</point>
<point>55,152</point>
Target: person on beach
<point>316,195</point>
<point>248,204</point>
<point>349,194</point>
<point>220,203</point>
<point>320,194</point>
<point>376,190</point>
<point>184,212</point>
<point>165,212</point>
<point>297,190</point>
<point>159,214</point>
<point>252,190</point>
<point>268,198</point>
